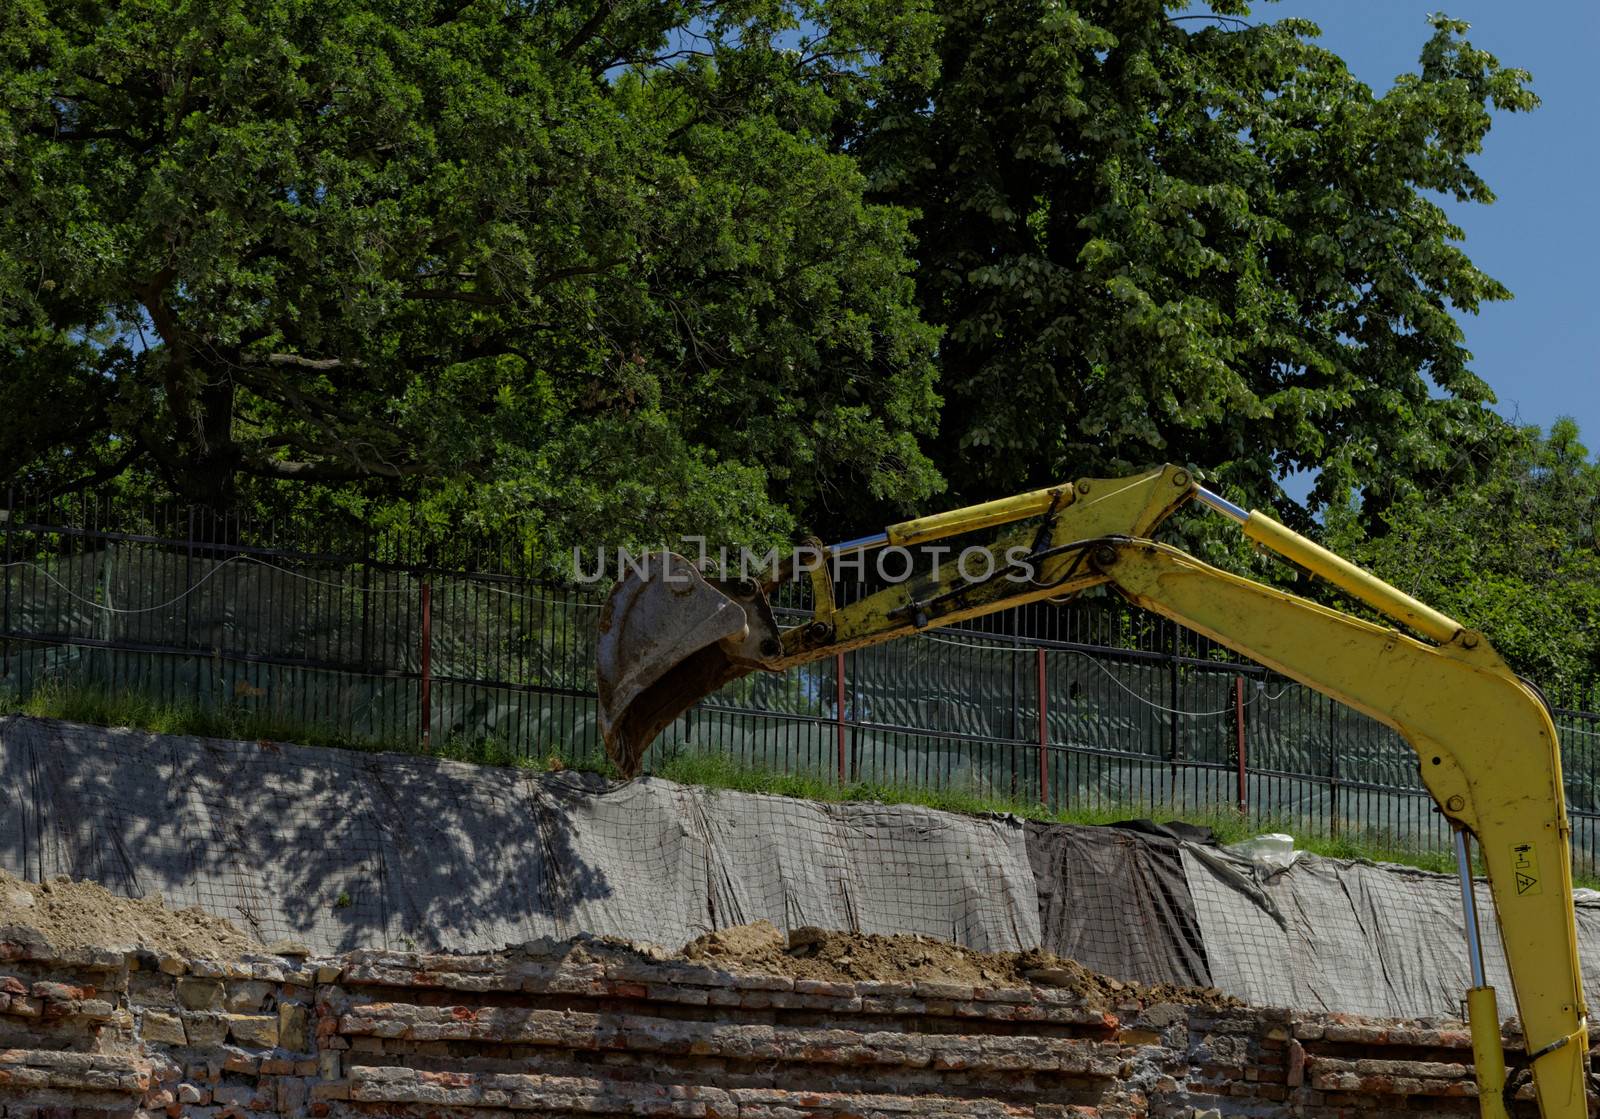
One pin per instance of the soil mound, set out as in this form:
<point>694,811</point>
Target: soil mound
<point>68,914</point>
<point>810,953</point>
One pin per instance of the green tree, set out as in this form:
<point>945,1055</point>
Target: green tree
<point>578,270</point>
<point>1515,552</point>
<point>1190,237</point>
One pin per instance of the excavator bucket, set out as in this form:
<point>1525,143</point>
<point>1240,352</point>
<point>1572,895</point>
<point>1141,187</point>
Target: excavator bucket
<point>668,637</point>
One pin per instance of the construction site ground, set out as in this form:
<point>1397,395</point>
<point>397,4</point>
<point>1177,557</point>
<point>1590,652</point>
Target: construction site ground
<point>744,1022</point>
<point>117,1005</point>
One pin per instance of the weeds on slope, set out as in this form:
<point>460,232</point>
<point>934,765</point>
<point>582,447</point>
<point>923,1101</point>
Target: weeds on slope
<point>81,703</point>
<point>1226,824</point>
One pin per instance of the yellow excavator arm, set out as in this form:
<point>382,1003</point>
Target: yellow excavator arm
<point>1485,743</point>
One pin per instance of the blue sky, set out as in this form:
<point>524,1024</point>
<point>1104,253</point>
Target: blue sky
<point>1541,237</point>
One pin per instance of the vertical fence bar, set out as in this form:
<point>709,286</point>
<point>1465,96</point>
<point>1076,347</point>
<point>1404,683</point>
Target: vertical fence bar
<point>838,673</point>
<point>1333,768</point>
<point>427,662</point>
<point>188,584</point>
<point>1177,729</point>
<point>107,628</point>
<point>1016,700</point>
<point>366,607</point>
<point>1238,742</point>
<point>1044,730</point>
<point>11,516</point>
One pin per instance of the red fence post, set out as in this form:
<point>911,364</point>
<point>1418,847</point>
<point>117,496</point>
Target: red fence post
<point>1238,731</point>
<point>1044,733</point>
<point>427,662</point>
<point>838,674</point>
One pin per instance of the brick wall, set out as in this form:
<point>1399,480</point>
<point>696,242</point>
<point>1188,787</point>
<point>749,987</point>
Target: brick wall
<point>599,1030</point>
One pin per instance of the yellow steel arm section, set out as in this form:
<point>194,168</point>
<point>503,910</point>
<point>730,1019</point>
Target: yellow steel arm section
<point>1042,557</point>
<point>1488,756</point>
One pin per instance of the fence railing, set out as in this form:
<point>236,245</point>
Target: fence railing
<point>1090,702</point>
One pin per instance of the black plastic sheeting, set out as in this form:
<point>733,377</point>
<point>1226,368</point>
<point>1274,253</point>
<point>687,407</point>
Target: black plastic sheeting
<point>1116,900</point>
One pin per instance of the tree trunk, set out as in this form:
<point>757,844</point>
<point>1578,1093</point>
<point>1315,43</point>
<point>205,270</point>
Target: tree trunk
<point>208,474</point>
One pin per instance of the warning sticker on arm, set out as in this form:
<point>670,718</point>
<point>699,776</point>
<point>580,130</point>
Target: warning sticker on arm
<point>1525,868</point>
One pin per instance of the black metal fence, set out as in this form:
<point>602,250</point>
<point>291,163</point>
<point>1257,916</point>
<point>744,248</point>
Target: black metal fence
<point>1090,702</point>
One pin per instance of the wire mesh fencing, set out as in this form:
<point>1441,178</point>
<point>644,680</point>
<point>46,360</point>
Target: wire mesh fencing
<point>1089,703</point>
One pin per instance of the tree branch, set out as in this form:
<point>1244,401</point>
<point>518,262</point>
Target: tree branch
<point>348,471</point>
<point>481,298</point>
<point>269,384</point>
<point>160,450</point>
<point>161,315</point>
<point>451,14</point>
<point>76,135</point>
<point>319,363</point>
<point>485,299</point>
<point>577,270</point>
<point>104,474</point>
<point>589,30</point>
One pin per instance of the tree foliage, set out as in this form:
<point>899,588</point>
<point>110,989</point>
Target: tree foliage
<point>1192,238</point>
<point>1515,553</point>
<point>585,270</point>
<point>611,270</point>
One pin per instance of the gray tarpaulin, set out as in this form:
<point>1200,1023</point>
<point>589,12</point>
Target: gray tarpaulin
<point>1354,937</point>
<point>341,849</point>
<point>1117,901</point>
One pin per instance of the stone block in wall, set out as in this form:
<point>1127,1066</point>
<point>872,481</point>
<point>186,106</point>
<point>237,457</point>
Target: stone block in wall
<point>205,1028</point>
<point>247,996</point>
<point>293,1022</point>
<point>254,1030</point>
<point>160,1027</point>
<point>200,994</point>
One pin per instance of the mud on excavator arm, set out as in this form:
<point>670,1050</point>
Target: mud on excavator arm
<point>1485,743</point>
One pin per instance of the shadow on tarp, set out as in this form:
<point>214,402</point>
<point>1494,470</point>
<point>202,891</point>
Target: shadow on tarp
<point>341,849</point>
<point>1115,899</point>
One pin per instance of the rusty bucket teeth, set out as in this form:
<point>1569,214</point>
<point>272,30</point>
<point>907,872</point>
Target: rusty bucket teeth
<point>667,638</point>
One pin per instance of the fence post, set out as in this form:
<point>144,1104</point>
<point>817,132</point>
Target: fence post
<point>1044,730</point>
<point>427,662</point>
<point>838,674</point>
<point>1238,742</point>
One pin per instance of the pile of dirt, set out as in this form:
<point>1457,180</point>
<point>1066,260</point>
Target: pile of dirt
<point>69,914</point>
<point>810,953</point>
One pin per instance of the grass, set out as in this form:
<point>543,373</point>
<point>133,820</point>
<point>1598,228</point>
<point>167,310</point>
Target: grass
<point>99,706</point>
<point>1227,825</point>
<point>722,772</point>
<point>85,703</point>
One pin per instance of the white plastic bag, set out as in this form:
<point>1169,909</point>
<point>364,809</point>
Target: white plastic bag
<point>1272,852</point>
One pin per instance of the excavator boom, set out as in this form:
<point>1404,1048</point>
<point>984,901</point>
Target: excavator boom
<point>669,637</point>
<point>1486,746</point>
